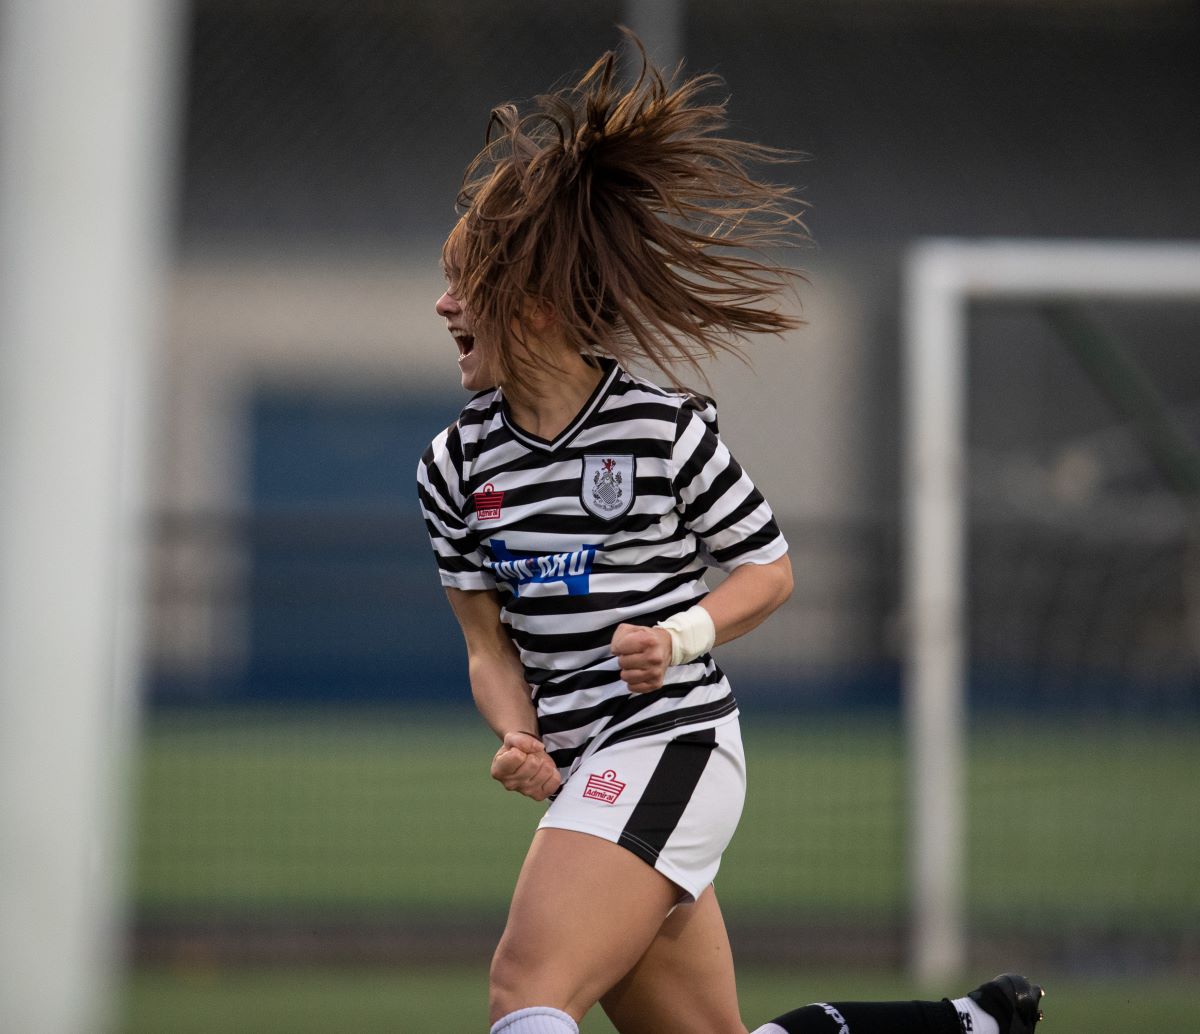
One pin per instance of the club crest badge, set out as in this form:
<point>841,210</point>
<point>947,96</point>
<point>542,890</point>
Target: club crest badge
<point>607,488</point>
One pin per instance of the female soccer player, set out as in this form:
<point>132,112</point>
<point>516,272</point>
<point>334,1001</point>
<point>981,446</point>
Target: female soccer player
<point>573,509</point>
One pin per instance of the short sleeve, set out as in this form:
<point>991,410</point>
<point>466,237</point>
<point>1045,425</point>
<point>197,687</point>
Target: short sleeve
<point>716,497</point>
<point>455,546</point>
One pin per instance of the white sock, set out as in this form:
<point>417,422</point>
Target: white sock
<point>974,1019</point>
<point>769,1028</point>
<point>538,1019</point>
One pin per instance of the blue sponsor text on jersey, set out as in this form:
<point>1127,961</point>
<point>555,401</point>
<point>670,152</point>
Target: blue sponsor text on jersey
<point>573,568</point>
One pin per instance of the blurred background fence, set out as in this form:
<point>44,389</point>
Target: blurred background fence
<point>312,786</point>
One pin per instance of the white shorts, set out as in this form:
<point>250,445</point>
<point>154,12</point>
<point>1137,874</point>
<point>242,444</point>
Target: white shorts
<point>673,799</point>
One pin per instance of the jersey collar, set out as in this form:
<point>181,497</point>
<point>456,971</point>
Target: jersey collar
<point>610,372</point>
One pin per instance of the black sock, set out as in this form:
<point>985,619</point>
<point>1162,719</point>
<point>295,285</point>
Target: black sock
<point>872,1018</point>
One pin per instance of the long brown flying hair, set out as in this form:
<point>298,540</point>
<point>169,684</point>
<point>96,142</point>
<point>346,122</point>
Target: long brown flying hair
<point>625,211</point>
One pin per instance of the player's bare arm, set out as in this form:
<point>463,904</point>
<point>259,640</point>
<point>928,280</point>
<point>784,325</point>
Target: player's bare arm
<point>750,594</point>
<point>739,604</point>
<point>502,696</point>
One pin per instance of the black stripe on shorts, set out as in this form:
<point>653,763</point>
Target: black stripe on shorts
<point>672,719</point>
<point>667,794</point>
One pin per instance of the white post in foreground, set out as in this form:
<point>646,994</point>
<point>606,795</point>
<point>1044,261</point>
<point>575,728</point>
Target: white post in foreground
<point>934,610</point>
<point>83,134</point>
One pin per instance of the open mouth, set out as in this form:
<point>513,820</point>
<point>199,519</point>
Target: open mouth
<point>466,344</point>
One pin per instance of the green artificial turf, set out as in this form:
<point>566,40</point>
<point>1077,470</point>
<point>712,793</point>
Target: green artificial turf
<point>389,814</point>
<point>453,1000</point>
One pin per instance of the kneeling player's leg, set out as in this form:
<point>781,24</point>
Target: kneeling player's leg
<point>867,1018</point>
<point>584,911</point>
<point>684,984</point>
<point>1007,1004</point>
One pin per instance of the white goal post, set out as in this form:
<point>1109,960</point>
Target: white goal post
<point>941,277</point>
<point>86,106</point>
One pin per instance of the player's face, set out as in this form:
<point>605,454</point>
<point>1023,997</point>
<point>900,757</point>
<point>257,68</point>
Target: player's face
<point>473,352</point>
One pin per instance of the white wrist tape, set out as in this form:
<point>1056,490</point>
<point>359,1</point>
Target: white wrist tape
<point>693,634</point>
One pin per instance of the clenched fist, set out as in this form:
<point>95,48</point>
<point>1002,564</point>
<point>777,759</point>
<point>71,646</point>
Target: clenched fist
<point>644,655</point>
<point>522,764</point>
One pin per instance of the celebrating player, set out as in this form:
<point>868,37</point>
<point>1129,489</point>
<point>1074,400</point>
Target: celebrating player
<point>574,507</point>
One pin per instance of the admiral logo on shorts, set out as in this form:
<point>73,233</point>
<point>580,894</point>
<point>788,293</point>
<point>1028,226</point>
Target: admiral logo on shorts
<point>605,788</point>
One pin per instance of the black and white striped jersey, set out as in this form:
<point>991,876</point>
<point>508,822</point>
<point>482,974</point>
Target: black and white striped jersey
<point>615,520</point>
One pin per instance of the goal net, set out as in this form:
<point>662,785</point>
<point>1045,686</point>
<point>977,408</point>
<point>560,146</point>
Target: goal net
<point>1052,488</point>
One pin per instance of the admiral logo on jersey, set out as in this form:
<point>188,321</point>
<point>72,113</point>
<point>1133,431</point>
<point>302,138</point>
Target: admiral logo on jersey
<point>489,503</point>
<point>573,569</point>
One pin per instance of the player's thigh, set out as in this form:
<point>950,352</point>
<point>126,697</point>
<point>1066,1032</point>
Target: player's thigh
<point>584,911</point>
<point>684,983</point>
